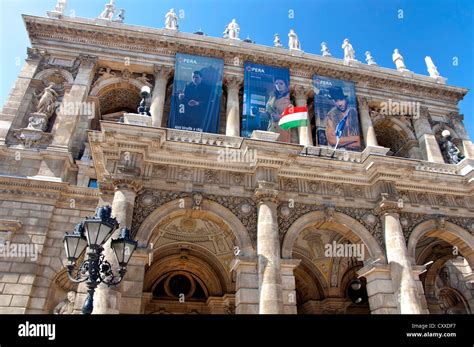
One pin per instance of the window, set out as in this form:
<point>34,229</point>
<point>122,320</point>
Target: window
<point>92,183</point>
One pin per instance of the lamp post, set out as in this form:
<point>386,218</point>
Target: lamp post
<point>93,233</point>
<point>143,109</point>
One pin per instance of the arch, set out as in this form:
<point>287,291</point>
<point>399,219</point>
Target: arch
<point>395,121</point>
<point>438,128</point>
<point>43,75</point>
<point>199,261</point>
<point>172,209</point>
<point>112,83</point>
<point>311,218</point>
<point>393,133</point>
<point>451,233</point>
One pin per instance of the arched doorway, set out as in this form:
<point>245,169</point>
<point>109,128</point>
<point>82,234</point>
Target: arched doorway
<point>192,252</point>
<point>331,251</point>
<point>446,250</point>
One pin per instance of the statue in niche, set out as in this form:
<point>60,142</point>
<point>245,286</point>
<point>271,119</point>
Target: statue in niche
<point>47,100</point>
<point>66,306</point>
<point>450,151</point>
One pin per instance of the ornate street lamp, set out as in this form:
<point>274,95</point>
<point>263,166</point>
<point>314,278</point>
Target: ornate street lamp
<point>143,109</point>
<point>93,233</point>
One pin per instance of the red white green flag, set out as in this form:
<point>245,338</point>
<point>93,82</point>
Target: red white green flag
<point>293,117</point>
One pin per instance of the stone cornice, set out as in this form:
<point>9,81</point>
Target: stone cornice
<point>156,150</point>
<point>166,43</point>
<point>49,192</point>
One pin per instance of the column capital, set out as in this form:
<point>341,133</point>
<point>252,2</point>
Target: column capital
<point>387,204</point>
<point>87,61</point>
<point>162,71</point>
<point>362,100</point>
<point>126,184</point>
<point>233,82</point>
<point>455,117</point>
<point>35,53</point>
<point>302,91</point>
<point>266,192</point>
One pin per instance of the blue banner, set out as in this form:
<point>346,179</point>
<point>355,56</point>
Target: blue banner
<point>337,119</point>
<point>266,95</point>
<point>197,89</point>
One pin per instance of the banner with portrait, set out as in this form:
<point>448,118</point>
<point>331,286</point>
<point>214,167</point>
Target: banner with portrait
<point>337,119</point>
<point>266,95</point>
<point>197,89</point>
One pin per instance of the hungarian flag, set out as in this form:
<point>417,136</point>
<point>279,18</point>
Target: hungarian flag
<point>293,117</point>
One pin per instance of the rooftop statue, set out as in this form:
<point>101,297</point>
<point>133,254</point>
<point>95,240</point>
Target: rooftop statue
<point>171,20</point>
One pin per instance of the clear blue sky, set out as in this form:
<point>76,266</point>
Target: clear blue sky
<point>442,29</point>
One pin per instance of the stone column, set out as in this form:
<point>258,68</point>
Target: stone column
<point>268,252</point>
<point>468,147</point>
<point>107,299</point>
<point>301,96</point>
<point>289,285</point>
<point>158,95</point>
<point>401,271</point>
<point>428,144</point>
<point>132,285</point>
<point>18,100</point>
<point>246,285</point>
<point>66,123</point>
<point>366,123</point>
<point>382,299</point>
<point>233,84</point>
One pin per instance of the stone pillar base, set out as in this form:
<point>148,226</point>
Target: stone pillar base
<point>264,135</point>
<point>137,119</point>
<point>246,284</point>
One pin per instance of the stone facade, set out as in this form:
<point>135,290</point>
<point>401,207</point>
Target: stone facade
<point>242,233</point>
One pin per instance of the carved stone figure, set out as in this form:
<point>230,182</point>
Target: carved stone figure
<point>398,60</point>
<point>369,59</point>
<point>349,52</point>
<point>109,11</point>
<point>197,200</point>
<point>277,41</point>
<point>325,50</point>
<point>47,100</point>
<point>432,69</point>
<point>145,80</point>
<point>38,121</point>
<point>232,31</point>
<point>105,74</point>
<point>293,41</point>
<point>66,306</point>
<point>171,20</point>
<point>120,17</point>
<point>451,152</point>
<point>60,6</point>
